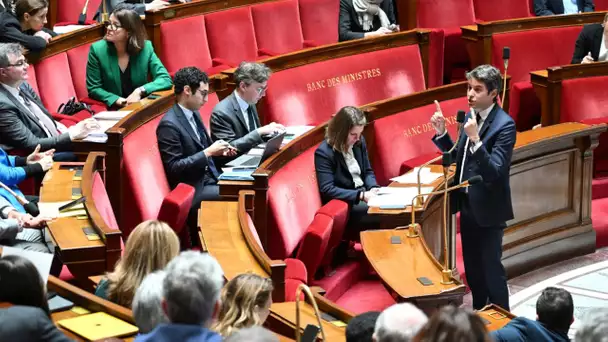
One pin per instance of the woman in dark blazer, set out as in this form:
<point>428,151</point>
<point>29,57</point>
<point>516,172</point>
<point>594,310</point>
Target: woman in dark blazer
<point>343,168</point>
<point>26,25</point>
<point>366,18</point>
<point>120,65</point>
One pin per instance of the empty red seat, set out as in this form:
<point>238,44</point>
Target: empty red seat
<point>48,71</point>
<point>312,93</point>
<point>403,141</point>
<point>599,217</point>
<point>490,10</point>
<point>601,5</point>
<point>319,19</point>
<point>68,11</point>
<point>231,36</point>
<point>277,27</point>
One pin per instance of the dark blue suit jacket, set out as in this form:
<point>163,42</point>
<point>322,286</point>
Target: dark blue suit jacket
<point>524,329</point>
<point>491,200</point>
<point>181,151</point>
<point>333,177</point>
<point>553,7</point>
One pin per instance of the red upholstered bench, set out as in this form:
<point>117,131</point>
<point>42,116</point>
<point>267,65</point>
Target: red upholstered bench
<point>531,50</point>
<point>69,10</point>
<point>599,217</point>
<point>298,224</point>
<point>146,191</point>
<point>319,19</point>
<point>408,136</point>
<point>490,10</point>
<point>310,94</point>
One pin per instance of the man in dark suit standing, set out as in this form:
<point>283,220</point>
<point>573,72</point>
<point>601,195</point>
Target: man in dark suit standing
<point>553,7</point>
<point>485,150</point>
<point>24,122</point>
<point>235,119</point>
<point>185,147</point>
<point>591,44</point>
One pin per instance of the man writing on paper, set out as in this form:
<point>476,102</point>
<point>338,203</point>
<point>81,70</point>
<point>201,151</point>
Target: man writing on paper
<point>484,149</point>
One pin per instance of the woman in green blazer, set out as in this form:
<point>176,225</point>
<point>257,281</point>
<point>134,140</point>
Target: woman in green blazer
<point>122,68</point>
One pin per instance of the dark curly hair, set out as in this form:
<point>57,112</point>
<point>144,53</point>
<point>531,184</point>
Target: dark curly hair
<point>189,76</point>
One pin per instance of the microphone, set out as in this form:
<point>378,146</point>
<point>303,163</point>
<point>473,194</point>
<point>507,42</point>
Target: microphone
<point>83,16</point>
<point>29,207</point>
<point>506,55</point>
<point>460,115</point>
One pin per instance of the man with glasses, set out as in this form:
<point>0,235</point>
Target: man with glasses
<point>24,122</point>
<point>553,7</point>
<point>235,119</point>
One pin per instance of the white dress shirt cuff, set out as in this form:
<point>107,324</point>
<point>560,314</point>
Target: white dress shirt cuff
<point>475,147</point>
<point>442,135</point>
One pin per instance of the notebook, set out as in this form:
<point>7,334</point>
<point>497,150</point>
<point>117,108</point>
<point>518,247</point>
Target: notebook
<point>98,326</point>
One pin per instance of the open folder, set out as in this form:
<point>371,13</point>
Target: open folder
<point>98,326</point>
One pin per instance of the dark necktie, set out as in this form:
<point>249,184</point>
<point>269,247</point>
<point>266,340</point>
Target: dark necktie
<point>206,143</point>
<point>478,119</point>
<point>251,116</point>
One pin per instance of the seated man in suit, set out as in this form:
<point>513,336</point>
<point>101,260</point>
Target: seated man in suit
<point>185,147</point>
<point>235,119</point>
<point>24,122</point>
<point>553,7</point>
<point>591,44</point>
<point>137,5</point>
<point>366,19</point>
<point>554,315</point>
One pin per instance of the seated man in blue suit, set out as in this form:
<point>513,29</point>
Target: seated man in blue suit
<point>184,144</point>
<point>484,150</point>
<point>554,315</point>
<point>553,7</point>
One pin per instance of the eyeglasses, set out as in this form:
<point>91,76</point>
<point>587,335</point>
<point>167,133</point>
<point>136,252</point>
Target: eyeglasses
<point>203,92</point>
<point>111,26</point>
<point>262,90</point>
<point>19,63</point>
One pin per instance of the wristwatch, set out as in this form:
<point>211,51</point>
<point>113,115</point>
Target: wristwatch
<point>142,91</point>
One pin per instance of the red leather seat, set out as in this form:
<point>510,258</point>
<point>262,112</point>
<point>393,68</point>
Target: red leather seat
<point>231,36</point>
<point>68,11</point>
<point>48,72</point>
<point>449,15</point>
<point>277,27</point>
<point>530,51</point>
<point>601,5</point>
<point>319,20</point>
<point>310,94</point>
<point>490,10</point>
<point>192,45</point>
<point>77,60</point>
<point>408,136</point>
<point>298,224</point>
<point>599,217</point>
<point>146,191</point>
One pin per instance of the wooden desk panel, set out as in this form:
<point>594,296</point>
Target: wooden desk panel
<point>282,320</point>
<point>497,316</point>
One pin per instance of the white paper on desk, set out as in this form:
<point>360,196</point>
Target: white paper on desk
<point>112,115</point>
<point>99,135</point>
<point>68,28</point>
<point>42,261</point>
<point>51,209</point>
<point>255,152</point>
<point>426,176</point>
<point>390,196</point>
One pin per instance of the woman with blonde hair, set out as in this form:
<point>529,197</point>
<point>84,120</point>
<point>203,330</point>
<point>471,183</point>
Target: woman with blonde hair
<point>150,247</point>
<point>246,301</point>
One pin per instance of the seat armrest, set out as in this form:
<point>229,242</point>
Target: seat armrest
<point>176,206</point>
<point>295,269</point>
<point>62,117</point>
<point>220,61</point>
<point>313,245</point>
<point>266,53</point>
<point>338,212</point>
<point>310,43</point>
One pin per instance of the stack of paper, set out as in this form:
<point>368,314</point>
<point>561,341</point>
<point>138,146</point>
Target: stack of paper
<point>100,136</point>
<point>396,196</point>
<point>112,115</point>
<point>426,176</point>
<point>51,209</point>
<point>238,173</point>
<point>292,132</point>
<point>68,28</point>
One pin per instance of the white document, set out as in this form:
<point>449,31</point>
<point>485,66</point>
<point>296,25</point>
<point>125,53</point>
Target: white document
<point>99,135</point>
<point>51,209</point>
<point>391,196</point>
<point>426,176</point>
<point>42,261</point>
<point>256,152</point>
<point>112,115</point>
<point>68,28</point>
<point>297,130</point>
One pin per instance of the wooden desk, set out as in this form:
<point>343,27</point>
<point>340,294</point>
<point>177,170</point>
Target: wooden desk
<point>496,316</point>
<point>400,266</point>
<point>282,320</point>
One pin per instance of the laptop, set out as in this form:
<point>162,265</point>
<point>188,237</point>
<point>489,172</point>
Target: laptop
<point>272,146</point>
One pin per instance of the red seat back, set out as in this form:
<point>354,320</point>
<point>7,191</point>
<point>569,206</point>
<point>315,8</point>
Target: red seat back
<point>445,13</point>
<point>102,202</point>
<point>293,200</point>
<point>601,5</point>
<point>145,184</point>
<point>489,10</point>
<point>312,93</point>
<point>407,135</point>
<point>207,109</point>
<point>69,10</point>
<point>231,36</point>
<point>77,60</point>
<point>48,73</point>
<point>32,79</point>
<point>594,103</point>
<point>191,49</point>
<point>534,50</point>
<point>319,20</point>
<point>277,26</point>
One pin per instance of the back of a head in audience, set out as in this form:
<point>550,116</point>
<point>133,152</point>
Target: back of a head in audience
<point>452,324</point>
<point>147,303</point>
<point>252,334</point>
<point>150,247</point>
<point>246,301</point>
<point>555,309</point>
<point>361,327</point>
<point>191,289</point>
<point>593,327</point>
<point>399,323</point>
<point>21,284</point>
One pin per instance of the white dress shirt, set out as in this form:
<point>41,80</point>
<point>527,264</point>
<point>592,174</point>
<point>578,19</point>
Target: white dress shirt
<point>603,55</point>
<point>244,107</point>
<point>353,167</point>
<point>190,116</point>
<point>570,7</point>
